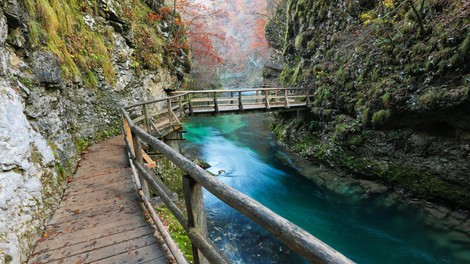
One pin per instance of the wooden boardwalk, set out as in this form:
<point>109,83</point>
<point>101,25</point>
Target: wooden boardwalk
<point>100,219</point>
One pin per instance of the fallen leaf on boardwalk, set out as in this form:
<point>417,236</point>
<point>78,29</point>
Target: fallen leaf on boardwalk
<point>76,212</point>
<point>121,207</point>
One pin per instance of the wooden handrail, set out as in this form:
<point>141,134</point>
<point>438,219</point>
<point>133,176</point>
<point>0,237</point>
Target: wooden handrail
<point>237,90</point>
<point>293,236</point>
<point>155,101</point>
<point>214,101</point>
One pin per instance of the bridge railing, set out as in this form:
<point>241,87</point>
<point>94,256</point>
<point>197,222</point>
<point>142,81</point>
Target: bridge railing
<point>203,101</point>
<point>162,116</point>
<point>196,178</point>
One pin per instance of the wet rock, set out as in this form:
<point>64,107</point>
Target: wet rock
<point>13,14</point>
<point>47,69</point>
<point>3,29</point>
<point>22,153</point>
<point>202,164</point>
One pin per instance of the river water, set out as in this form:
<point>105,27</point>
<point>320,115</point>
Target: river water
<point>243,153</point>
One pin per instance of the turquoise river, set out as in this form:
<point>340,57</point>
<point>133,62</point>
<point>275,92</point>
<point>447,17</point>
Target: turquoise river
<point>244,154</point>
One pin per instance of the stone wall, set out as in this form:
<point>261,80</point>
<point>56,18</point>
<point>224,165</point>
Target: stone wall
<point>46,120</point>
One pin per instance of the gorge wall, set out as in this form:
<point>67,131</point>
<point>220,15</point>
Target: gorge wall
<point>391,82</point>
<point>65,67</point>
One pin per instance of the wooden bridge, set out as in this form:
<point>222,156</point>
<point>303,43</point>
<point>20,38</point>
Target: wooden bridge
<point>100,220</point>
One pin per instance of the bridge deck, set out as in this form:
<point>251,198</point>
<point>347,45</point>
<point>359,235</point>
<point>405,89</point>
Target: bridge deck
<point>247,108</point>
<point>100,219</point>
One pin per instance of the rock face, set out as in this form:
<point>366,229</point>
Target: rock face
<point>52,107</point>
<point>391,82</point>
<point>26,163</point>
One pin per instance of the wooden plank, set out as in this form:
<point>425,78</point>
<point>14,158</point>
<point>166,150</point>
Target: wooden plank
<point>100,217</point>
<point>91,232</point>
<point>150,163</point>
<point>144,255</point>
<point>135,250</point>
<point>96,223</point>
<point>109,211</point>
<point>97,198</point>
<point>69,250</point>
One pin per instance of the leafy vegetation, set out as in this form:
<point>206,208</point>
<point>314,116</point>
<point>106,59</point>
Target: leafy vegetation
<point>176,231</point>
<point>60,27</point>
<point>84,48</point>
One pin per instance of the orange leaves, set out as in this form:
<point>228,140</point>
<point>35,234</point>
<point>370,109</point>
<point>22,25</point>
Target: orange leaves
<point>152,17</point>
<point>196,19</point>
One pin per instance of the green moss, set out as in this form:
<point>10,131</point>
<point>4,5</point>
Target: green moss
<point>421,184</point>
<point>430,97</point>
<point>8,258</point>
<point>62,174</point>
<point>82,143</point>
<point>91,80</point>
<point>36,156</point>
<point>61,27</point>
<point>386,100</point>
<point>177,232</point>
<point>380,117</point>
<point>464,47</point>
<point>286,74</point>
<point>108,133</point>
<point>26,81</point>
<point>355,140</point>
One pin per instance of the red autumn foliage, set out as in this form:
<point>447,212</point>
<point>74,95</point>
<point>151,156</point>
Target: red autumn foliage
<point>152,17</point>
<point>196,17</point>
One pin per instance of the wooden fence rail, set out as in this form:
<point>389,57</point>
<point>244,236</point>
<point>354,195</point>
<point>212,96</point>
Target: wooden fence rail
<point>162,116</point>
<point>196,178</point>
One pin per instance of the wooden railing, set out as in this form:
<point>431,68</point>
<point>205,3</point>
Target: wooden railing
<point>162,116</point>
<point>210,101</point>
<point>204,251</point>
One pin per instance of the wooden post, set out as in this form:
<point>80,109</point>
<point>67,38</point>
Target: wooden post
<point>189,105</point>
<point>181,106</point>
<point>286,102</point>
<point>139,159</point>
<point>216,106</point>
<point>240,102</point>
<point>256,99</point>
<point>170,116</point>
<point>129,135</point>
<point>266,93</point>
<point>196,212</point>
<point>309,103</point>
<point>147,121</point>
<point>231,96</point>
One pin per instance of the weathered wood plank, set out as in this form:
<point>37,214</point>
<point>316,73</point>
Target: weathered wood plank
<point>101,218</point>
<point>144,255</point>
<point>135,250</point>
<point>76,233</point>
<point>69,250</point>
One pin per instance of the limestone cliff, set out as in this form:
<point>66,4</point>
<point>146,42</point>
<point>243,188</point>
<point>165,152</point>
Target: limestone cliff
<point>391,82</point>
<point>65,66</point>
